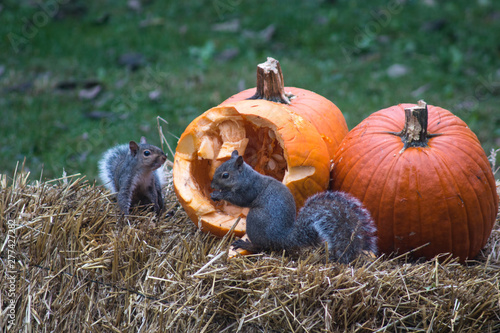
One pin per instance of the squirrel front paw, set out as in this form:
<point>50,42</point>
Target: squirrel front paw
<point>216,195</point>
<point>245,244</point>
<point>240,244</point>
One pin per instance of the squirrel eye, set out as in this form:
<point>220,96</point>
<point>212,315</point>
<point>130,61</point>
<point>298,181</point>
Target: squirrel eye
<point>225,175</point>
<point>147,153</point>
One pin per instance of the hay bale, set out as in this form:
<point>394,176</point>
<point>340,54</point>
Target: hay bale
<point>80,267</point>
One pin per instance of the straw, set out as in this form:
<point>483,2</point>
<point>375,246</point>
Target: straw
<point>81,268</point>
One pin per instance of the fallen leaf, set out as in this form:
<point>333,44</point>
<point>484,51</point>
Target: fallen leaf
<point>397,70</point>
<point>229,26</point>
<point>154,95</point>
<point>145,128</point>
<point>90,93</point>
<point>135,5</point>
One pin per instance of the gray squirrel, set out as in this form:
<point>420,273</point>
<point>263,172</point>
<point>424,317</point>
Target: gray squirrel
<point>131,170</point>
<point>335,217</point>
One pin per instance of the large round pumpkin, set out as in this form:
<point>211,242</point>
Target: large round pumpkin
<point>273,138</point>
<point>424,177</point>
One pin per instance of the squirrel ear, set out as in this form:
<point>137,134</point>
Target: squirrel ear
<point>239,161</point>
<point>234,154</point>
<point>143,140</point>
<point>134,147</point>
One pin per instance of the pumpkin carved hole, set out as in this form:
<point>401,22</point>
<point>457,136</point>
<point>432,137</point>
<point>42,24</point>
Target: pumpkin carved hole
<point>253,137</point>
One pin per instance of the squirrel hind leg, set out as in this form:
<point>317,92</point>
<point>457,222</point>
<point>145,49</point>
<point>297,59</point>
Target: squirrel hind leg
<point>159,199</point>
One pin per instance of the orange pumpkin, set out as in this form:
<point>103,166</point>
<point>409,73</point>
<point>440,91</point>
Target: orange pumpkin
<point>274,139</point>
<point>425,178</point>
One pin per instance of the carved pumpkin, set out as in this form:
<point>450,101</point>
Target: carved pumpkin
<point>425,178</point>
<point>273,138</point>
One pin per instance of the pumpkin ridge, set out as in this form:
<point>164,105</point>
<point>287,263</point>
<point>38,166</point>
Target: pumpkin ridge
<point>362,158</point>
<point>437,116</point>
<point>310,109</point>
<point>474,158</point>
<point>395,195</point>
<point>475,206</point>
<point>446,121</point>
<point>480,205</point>
<point>367,158</point>
<point>464,190</point>
<point>387,175</point>
<point>456,132</point>
<point>374,171</point>
<point>442,162</point>
<point>480,202</point>
<point>464,144</point>
<point>388,118</point>
<point>414,188</point>
<point>477,159</point>
<point>462,135</point>
<point>415,176</point>
<point>424,229</point>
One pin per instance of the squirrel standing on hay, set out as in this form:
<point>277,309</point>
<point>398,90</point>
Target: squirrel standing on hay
<point>131,170</point>
<point>333,217</point>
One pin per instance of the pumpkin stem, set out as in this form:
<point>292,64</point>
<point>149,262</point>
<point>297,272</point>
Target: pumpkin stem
<point>270,84</point>
<point>414,134</point>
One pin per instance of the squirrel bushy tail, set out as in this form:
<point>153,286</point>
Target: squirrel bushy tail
<point>333,217</point>
<point>340,220</point>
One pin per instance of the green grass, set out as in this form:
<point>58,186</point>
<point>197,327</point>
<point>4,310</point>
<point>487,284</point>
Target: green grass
<point>339,49</point>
